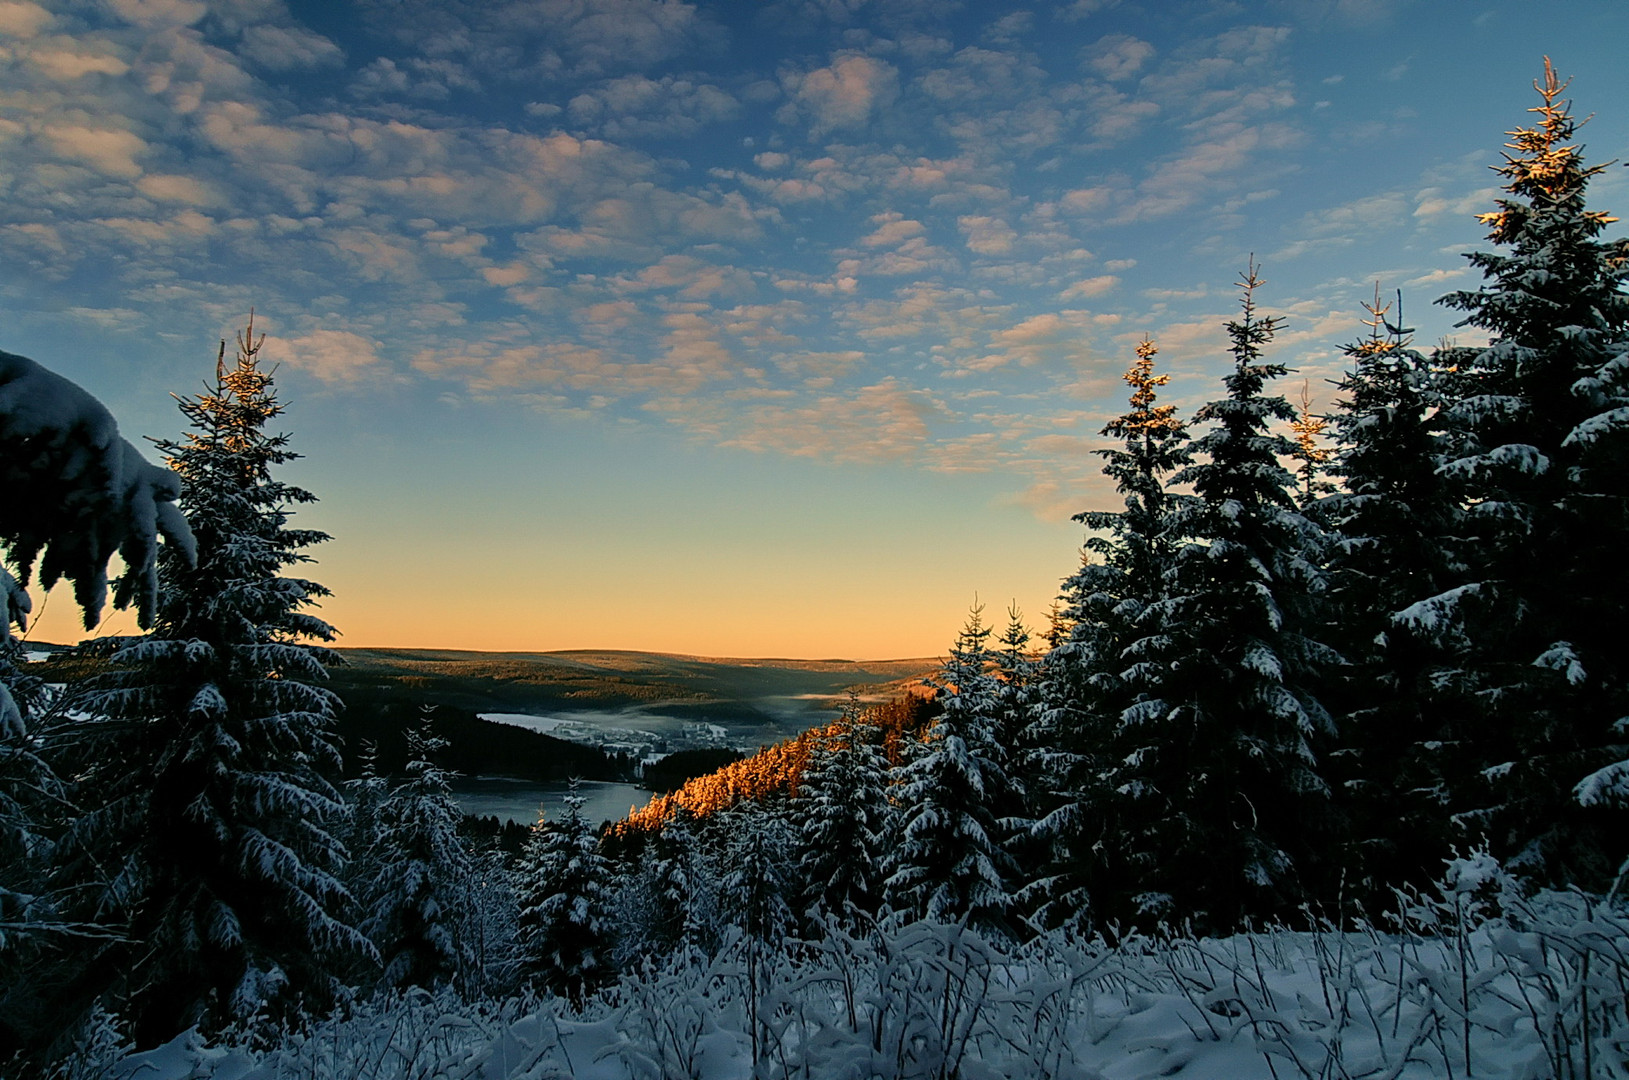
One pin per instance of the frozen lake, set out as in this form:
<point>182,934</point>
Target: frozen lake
<point>518,800</point>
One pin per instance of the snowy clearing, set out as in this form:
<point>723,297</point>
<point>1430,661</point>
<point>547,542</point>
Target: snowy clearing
<point>1538,991</point>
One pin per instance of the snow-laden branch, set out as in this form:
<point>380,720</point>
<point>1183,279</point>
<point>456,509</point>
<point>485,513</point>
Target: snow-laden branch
<point>73,493</point>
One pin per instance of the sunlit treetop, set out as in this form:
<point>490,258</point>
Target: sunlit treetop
<point>1546,167</point>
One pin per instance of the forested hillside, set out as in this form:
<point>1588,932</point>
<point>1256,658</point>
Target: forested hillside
<point>1357,680</point>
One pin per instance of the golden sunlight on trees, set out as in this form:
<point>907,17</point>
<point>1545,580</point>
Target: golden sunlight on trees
<point>1543,165</point>
<point>777,770</point>
<point>1309,451</point>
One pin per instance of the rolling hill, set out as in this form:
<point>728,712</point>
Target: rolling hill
<point>754,701</point>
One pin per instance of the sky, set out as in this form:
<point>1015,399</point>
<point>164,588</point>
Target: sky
<point>782,328</point>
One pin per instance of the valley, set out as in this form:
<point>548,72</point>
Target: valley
<point>644,705</point>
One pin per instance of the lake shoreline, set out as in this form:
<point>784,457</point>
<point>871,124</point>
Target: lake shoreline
<point>519,801</point>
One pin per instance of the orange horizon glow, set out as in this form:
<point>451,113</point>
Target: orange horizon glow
<point>386,626</point>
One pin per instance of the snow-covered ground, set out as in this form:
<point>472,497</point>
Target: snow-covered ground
<point>1534,989</point>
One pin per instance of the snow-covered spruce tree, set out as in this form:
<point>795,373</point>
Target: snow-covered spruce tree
<point>1219,811</point>
<point>752,897</point>
<point>755,872</point>
<point>661,897</point>
<point>1539,440</point>
<point>32,803</point>
<point>72,493</point>
<point>211,748</point>
<point>1134,545</point>
<point>1084,689</point>
<point>563,885</point>
<point>30,797</point>
<point>359,831</point>
<point>843,806</point>
<point>417,904</point>
<point>1017,724</point>
<point>364,796</point>
<point>948,862</point>
<point>493,927</point>
<point>1394,521</point>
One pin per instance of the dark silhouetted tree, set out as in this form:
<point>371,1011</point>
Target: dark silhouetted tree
<point>1221,812</point>
<point>1402,742</point>
<point>1080,735</point>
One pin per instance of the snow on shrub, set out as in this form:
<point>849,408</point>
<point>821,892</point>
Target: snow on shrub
<point>1472,980</point>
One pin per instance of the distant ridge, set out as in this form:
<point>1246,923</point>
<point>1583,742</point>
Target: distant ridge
<point>926,663</point>
<point>759,700</point>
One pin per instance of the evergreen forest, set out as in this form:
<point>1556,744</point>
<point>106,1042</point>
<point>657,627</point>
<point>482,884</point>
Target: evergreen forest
<point>1320,766</point>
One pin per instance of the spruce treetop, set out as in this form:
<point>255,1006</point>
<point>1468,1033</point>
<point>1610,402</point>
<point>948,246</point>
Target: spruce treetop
<point>241,513</point>
<point>229,441</point>
<point>1385,337</point>
<point>1155,438</point>
<point>1244,464</point>
<point>1145,420</point>
<point>1249,335</point>
<point>1546,169</point>
<point>1388,436</point>
<point>1309,450</point>
<point>1557,274</point>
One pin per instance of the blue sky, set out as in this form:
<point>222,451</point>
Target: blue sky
<point>734,328</point>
